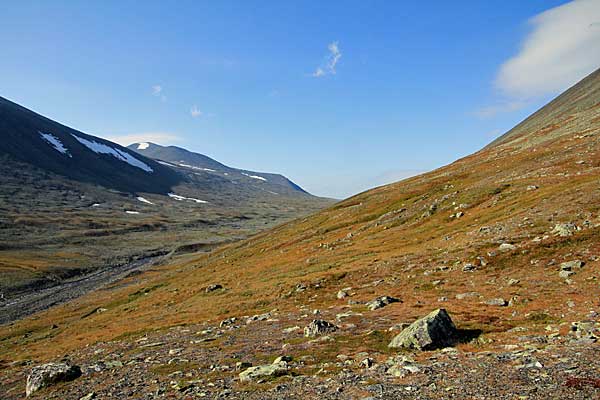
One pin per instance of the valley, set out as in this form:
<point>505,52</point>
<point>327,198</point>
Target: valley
<point>479,279</point>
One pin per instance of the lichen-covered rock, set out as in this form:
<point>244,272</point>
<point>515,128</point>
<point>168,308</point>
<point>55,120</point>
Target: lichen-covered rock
<point>49,374</point>
<point>435,330</point>
<point>571,265</point>
<point>500,302</point>
<point>264,371</point>
<point>566,274</point>
<point>381,302</point>
<point>565,229</point>
<point>319,327</point>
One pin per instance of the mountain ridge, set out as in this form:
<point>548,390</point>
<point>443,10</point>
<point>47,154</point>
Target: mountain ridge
<point>186,158</point>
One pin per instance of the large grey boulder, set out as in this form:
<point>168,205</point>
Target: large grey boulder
<point>278,368</point>
<point>434,331</point>
<point>381,302</point>
<point>319,327</point>
<point>46,375</point>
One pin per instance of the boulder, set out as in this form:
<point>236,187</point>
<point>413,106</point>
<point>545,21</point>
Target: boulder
<point>213,287</point>
<point>264,371</point>
<point>564,229</point>
<point>507,247</point>
<point>49,374</point>
<point>319,327</point>
<point>497,302</point>
<point>381,302</point>
<point>434,331</point>
<point>566,274</point>
<point>571,265</point>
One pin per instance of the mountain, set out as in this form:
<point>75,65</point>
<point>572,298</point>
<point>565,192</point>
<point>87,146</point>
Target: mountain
<point>505,240</point>
<point>30,138</point>
<point>183,158</point>
<point>72,203</point>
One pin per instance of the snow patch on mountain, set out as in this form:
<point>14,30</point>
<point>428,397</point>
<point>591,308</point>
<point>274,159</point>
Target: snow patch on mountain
<point>254,176</point>
<point>101,148</point>
<point>143,200</point>
<point>55,142</point>
<point>142,146</point>
<point>181,198</point>
<point>194,167</point>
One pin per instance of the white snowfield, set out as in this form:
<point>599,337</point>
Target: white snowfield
<point>132,212</point>
<point>142,146</point>
<point>194,167</point>
<point>101,148</point>
<point>143,200</point>
<point>55,142</point>
<point>181,198</point>
<point>166,163</point>
<point>254,176</point>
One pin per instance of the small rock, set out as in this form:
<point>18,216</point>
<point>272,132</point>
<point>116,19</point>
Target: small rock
<point>462,296</point>
<point>507,247</point>
<point>227,322</point>
<point>497,302</point>
<point>513,282</point>
<point>281,359</point>
<point>469,267</point>
<point>566,274</point>
<point>341,294</point>
<point>564,229</point>
<point>88,396</point>
<point>258,317</point>
<point>49,374</point>
<point>213,287</point>
<point>291,329</point>
<point>381,302</point>
<point>319,327</point>
<point>571,265</point>
<point>435,330</point>
<point>240,365</point>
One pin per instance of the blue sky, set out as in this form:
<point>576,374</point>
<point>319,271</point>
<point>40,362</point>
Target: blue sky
<point>403,86</point>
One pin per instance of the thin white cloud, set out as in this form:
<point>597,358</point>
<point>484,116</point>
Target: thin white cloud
<point>562,48</point>
<point>157,92</point>
<point>195,111</point>
<point>330,62</point>
<point>501,107</point>
<point>163,138</point>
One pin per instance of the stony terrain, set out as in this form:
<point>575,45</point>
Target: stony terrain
<point>504,240</point>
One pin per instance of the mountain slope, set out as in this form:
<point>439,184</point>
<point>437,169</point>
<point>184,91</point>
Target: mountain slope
<point>72,203</point>
<point>187,159</point>
<point>574,111</point>
<point>485,237</point>
<point>33,139</point>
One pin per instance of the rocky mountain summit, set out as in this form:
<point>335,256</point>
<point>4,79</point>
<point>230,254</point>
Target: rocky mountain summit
<point>494,260</point>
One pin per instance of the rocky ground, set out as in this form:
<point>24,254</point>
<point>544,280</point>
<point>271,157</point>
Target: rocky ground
<point>210,361</point>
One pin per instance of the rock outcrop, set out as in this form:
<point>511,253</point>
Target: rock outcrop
<point>319,327</point>
<point>381,302</point>
<point>435,330</point>
<point>252,374</point>
<point>49,374</point>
